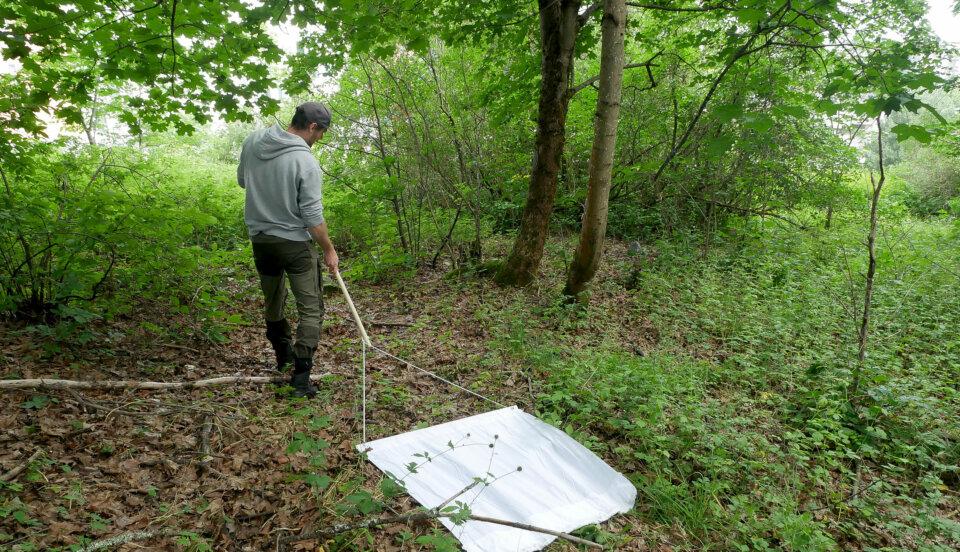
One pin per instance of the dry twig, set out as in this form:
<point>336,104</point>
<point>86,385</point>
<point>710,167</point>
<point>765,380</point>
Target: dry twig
<point>182,347</point>
<point>12,474</point>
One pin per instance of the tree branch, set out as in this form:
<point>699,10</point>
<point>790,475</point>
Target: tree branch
<point>757,212</point>
<point>648,64</point>
<point>744,50</point>
<point>661,7</point>
<point>584,17</point>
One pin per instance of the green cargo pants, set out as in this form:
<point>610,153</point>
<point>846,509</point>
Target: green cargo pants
<point>299,260</point>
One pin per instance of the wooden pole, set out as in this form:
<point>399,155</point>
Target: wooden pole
<point>127,384</point>
<point>353,308</point>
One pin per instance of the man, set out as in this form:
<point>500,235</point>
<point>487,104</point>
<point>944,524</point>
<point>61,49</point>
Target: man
<point>283,212</point>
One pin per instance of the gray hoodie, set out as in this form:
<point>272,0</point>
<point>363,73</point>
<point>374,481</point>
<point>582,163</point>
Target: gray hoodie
<point>283,183</point>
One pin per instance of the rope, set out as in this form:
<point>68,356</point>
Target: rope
<point>365,342</point>
<point>433,375</point>
<point>363,381</point>
<point>363,384</point>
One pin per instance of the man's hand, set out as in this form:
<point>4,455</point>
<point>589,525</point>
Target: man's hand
<point>331,259</point>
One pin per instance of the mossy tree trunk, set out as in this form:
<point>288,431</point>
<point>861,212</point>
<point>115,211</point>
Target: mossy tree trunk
<point>558,33</point>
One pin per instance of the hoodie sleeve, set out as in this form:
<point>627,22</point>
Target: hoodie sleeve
<point>240,179</point>
<point>310,199</point>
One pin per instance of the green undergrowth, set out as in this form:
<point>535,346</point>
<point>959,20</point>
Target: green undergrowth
<point>92,233</point>
<point>736,425</point>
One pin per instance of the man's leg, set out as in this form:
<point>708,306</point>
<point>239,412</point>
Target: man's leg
<point>304,274</point>
<point>269,262</point>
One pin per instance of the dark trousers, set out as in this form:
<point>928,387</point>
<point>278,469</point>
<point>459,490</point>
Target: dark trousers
<point>299,260</point>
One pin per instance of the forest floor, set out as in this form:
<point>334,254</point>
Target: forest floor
<point>703,422</point>
<point>115,462</point>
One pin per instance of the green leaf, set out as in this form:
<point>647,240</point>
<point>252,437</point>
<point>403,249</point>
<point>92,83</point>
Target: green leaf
<point>439,542</point>
<point>391,488</point>
<point>828,107</point>
<point>928,81</point>
<point>21,517</point>
<point>318,422</point>
<point>36,402</point>
<point>795,111</point>
<point>727,112</point>
<point>419,44</point>
<point>750,15</point>
<point>906,131</point>
<point>760,122</point>
<point>719,145</point>
<point>317,482</point>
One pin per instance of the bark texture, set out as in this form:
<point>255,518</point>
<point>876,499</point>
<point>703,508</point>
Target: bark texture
<point>590,249</point>
<point>558,33</point>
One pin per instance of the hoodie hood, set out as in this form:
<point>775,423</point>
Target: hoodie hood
<point>276,142</point>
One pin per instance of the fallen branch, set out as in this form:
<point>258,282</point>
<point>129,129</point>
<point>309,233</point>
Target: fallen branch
<point>128,384</point>
<point>128,537</point>
<point>183,347</point>
<point>12,474</point>
<point>338,528</point>
<point>387,323</point>
<point>419,517</point>
<point>525,527</point>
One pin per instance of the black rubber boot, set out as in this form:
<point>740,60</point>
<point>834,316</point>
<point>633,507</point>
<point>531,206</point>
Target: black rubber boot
<point>279,336</point>
<point>301,378</point>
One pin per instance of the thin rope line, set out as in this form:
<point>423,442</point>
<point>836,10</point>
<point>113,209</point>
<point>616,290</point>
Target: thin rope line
<point>435,376</point>
<point>363,384</point>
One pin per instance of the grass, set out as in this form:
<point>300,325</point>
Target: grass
<point>733,418</point>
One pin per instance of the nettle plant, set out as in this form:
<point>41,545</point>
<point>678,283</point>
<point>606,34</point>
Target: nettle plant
<point>361,502</point>
<point>313,447</point>
<point>457,511</point>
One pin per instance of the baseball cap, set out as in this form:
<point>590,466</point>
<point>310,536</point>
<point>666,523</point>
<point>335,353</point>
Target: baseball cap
<point>315,112</point>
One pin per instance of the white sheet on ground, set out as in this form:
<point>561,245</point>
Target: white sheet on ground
<point>562,485</point>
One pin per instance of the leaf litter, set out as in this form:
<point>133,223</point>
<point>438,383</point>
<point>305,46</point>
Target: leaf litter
<point>115,461</point>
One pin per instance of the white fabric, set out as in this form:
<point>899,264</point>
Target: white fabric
<point>562,486</point>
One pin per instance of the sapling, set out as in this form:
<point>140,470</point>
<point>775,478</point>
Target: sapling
<point>876,187</point>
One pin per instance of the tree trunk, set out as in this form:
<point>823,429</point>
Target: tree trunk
<point>558,33</point>
<point>587,257</point>
<point>871,269</point>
